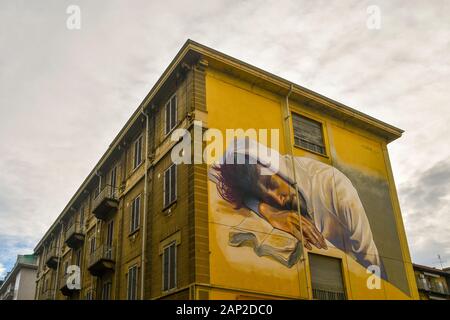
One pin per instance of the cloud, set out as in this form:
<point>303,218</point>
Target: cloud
<point>2,271</point>
<point>10,247</point>
<point>426,203</point>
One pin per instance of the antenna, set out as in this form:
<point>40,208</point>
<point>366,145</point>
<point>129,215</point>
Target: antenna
<point>440,261</point>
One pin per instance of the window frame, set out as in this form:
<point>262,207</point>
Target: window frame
<point>135,223</point>
<point>108,285</point>
<point>136,275</point>
<point>173,125</point>
<point>137,162</point>
<point>322,130</point>
<point>167,247</point>
<point>175,191</point>
<point>341,264</point>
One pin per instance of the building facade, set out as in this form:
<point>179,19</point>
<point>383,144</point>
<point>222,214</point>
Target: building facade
<point>145,226</point>
<point>20,282</point>
<point>432,283</point>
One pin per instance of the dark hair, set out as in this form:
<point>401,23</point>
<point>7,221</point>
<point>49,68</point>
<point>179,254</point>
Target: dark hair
<point>236,182</point>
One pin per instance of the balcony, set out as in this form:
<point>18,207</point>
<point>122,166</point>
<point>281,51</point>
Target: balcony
<point>74,236</point>
<point>105,202</point>
<point>102,260</point>
<point>66,289</point>
<point>52,258</point>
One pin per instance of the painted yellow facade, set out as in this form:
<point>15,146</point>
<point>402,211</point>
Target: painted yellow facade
<point>233,103</point>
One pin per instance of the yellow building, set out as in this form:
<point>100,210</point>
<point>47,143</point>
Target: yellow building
<point>324,224</point>
<point>432,283</point>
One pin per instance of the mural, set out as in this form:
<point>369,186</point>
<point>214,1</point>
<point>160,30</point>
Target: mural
<point>331,212</point>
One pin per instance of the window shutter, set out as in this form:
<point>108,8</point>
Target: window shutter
<point>326,277</point>
<point>166,270</point>
<point>173,183</point>
<point>172,276</point>
<point>167,111</point>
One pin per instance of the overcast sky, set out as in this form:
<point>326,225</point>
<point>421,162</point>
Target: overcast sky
<point>65,94</point>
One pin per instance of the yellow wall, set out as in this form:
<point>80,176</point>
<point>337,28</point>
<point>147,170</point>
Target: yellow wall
<point>233,103</point>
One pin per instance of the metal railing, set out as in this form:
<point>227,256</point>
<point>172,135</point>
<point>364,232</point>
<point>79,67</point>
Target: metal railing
<point>102,252</point>
<point>74,228</point>
<point>108,192</point>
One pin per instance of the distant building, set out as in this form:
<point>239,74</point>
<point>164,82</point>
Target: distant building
<point>20,282</point>
<point>433,284</point>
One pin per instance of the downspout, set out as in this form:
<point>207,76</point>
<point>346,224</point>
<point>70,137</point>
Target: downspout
<point>287,117</point>
<point>144,219</point>
<point>59,259</point>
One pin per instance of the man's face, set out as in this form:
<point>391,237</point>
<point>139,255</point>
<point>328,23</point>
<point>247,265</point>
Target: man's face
<point>276,191</point>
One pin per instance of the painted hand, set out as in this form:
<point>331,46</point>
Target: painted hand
<point>289,221</point>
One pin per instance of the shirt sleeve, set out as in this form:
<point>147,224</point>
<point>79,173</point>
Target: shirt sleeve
<point>352,214</point>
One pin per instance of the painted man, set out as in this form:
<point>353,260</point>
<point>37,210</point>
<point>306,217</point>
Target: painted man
<point>329,204</point>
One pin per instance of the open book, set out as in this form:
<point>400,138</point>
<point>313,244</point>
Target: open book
<point>256,233</point>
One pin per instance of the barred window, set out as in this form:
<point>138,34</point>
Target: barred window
<point>308,134</point>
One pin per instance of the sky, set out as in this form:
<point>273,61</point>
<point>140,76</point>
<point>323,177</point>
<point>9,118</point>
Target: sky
<point>66,93</point>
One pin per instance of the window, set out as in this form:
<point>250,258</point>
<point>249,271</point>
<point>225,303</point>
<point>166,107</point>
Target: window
<point>171,114</point>
<point>135,214</point>
<point>170,267</point>
<point>132,283</point>
<point>66,266</point>
<point>106,291</point>
<point>78,258</point>
<point>308,134</point>
<point>113,178</point>
<point>137,152</point>
<point>109,233</point>
<point>170,185</point>
<point>326,277</point>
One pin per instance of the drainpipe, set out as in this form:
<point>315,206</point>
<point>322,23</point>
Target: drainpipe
<point>144,219</point>
<point>288,138</point>
<point>59,259</point>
